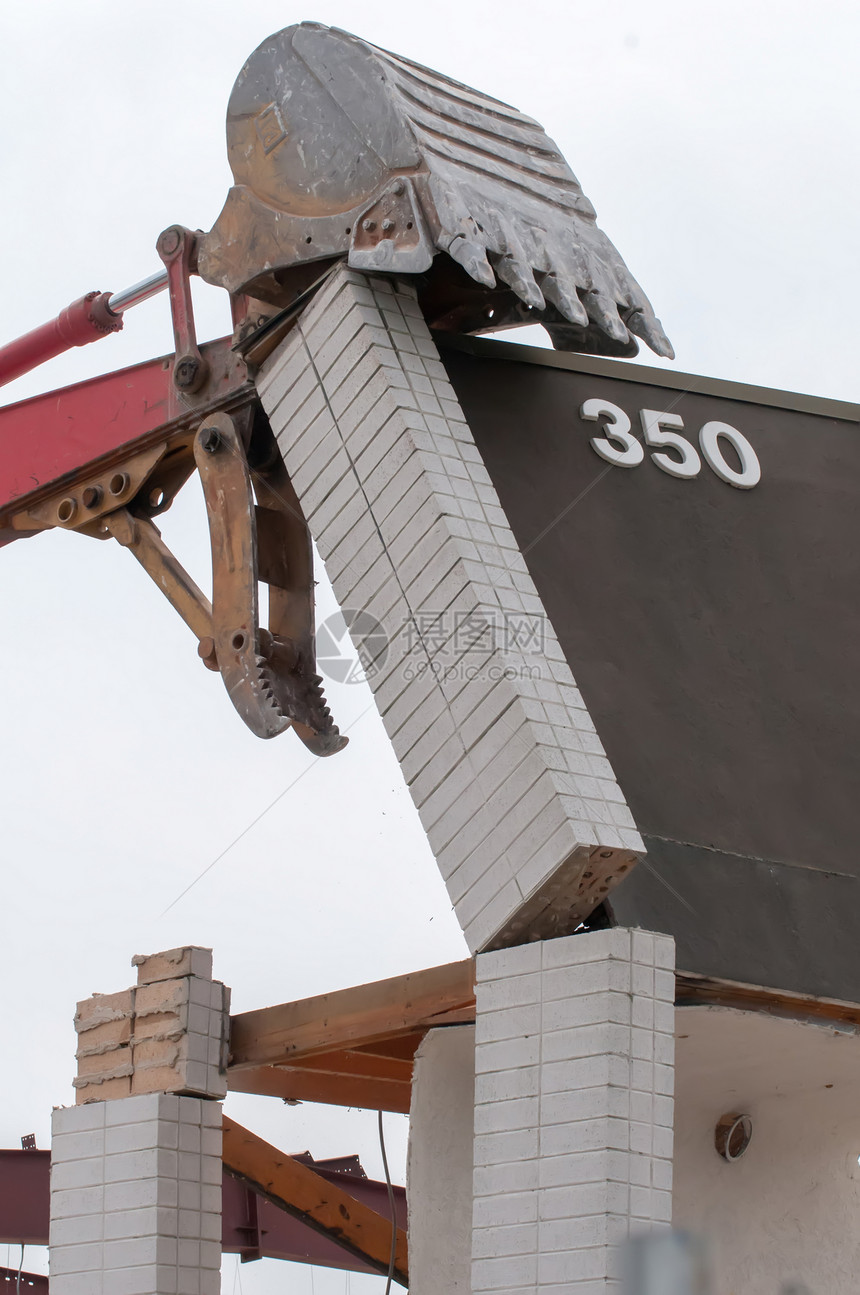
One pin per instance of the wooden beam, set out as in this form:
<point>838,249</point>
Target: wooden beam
<point>464,1015</point>
<point>357,1064</point>
<point>298,1084</point>
<point>350,1018</point>
<point>396,1049</point>
<point>322,1205</point>
<point>354,1047</point>
<point>695,991</point>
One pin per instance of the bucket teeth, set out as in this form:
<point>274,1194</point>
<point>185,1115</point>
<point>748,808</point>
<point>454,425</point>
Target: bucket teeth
<point>322,735</point>
<point>320,706</point>
<point>298,698</point>
<point>473,259</point>
<point>603,312</point>
<point>649,328</point>
<point>517,275</point>
<point>562,294</point>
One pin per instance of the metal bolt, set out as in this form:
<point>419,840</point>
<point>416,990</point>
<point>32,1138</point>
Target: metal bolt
<point>398,188</point>
<point>388,224</point>
<point>206,652</point>
<point>170,240</point>
<point>186,373</point>
<point>368,225</point>
<point>267,643</point>
<point>210,439</point>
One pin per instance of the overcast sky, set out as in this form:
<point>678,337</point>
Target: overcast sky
<point>719,144</point>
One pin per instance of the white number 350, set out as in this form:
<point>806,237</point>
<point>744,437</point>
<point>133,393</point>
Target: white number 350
<point>621,448</point>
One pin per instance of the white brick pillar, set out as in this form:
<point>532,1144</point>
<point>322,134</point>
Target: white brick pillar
<point>136,1164</point>
<point>521,807</point>
<point>136,1197</point>
<point>573,1115</point>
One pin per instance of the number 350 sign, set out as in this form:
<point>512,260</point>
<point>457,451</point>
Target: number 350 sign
<point>622,449</point>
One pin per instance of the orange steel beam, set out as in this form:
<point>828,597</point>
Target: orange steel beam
<point>353,1018</point>
<point>320,1204</point>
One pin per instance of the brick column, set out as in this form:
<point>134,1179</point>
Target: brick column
<point>136,1164</point>
<point>573,1115</point>
<point>136,1197</point>
<point>521,807</point>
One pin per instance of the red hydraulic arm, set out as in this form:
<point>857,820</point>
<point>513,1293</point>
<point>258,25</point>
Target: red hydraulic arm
<point>85,320</point>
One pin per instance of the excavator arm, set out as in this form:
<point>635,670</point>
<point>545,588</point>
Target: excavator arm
<point>106,457</point>
<point>340,151</point>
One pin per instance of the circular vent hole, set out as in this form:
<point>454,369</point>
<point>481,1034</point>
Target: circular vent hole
<point>732,1135</point>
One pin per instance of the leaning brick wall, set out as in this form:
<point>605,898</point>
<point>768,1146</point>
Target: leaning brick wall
<point>574,1109</point>
<point>521,807</point>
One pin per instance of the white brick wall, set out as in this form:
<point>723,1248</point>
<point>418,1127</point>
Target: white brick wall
<point>573,1115</point>
<point>136,1197</point>
<point>521,807</point>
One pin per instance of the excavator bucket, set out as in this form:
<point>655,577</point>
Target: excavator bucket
<point>340,149</point>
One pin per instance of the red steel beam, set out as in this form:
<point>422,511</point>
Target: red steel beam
<point>14,1283</point>
<point>251,1226</point>
<point>25,1204</point>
